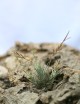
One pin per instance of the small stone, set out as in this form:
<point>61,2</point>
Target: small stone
<point>11,62</point>
<point>3,72</point>
<point>46,97</point>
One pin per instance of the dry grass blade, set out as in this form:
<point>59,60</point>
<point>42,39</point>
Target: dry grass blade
<point>60,46</point>
<point>20,55</point>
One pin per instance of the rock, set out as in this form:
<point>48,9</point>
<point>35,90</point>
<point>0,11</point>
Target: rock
<point>69,94</point>
<point>18,88</point>
<point>3,72</point>
<point>1,90</point>
<point>24,98</point>
<point>13,97</point>
<point>26,47</point>
<point>28,98</point>
<point>78,102</point>
<point>11,62</point>
<point>75,78</point>
<point>45,98</point>
<point>48,47</point>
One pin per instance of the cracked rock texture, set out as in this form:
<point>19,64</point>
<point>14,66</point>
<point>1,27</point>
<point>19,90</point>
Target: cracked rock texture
<point>17,64</point>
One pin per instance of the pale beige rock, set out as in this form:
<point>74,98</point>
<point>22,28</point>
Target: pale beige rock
<point>3,72</point>
<point>45,97</point>
<point>11,62</point>
<point>19,89</point>
<point>28,98</point>
<point>75,78</point>
<point>23,98</point>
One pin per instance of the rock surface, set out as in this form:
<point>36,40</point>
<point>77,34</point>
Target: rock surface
<point>3,72</point>
<point>17,65</point>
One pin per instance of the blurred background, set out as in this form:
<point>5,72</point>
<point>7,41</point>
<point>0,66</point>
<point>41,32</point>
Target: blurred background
<point>39,21</point>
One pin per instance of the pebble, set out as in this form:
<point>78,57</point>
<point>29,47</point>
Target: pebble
<point>3,72</point>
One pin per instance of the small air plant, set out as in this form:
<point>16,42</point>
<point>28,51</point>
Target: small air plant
<point>42,79</point>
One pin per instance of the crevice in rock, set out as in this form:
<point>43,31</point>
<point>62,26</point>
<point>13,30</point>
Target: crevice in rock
<point>24,79</point>
<point>22,90</point>
<point>39,102</point>
<point>49,61</point>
